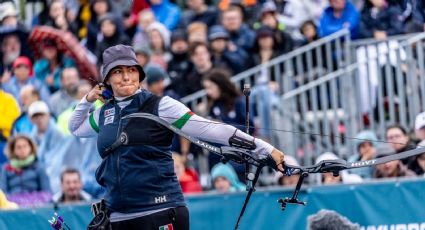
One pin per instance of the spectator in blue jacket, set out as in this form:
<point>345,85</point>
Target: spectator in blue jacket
<point>222,54</point>
<point>339,15</point>
<point>240,34</point>
<point>225,179</point>
<point>380,20</point>
<point>23,173</point>
<point>22,124</point>
<point>166,13</point>
<point>49,139</point>
<point>49,68</point>
<point>365,144</point>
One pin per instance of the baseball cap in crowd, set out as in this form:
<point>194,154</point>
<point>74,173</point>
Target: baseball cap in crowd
<point>38,107</point>
<point>154,74</point>
<point>217,32</point>
<point>420,121</point>
<point>119,55</point>
<point>22,60</point>
<point>178,35</point>
<point>7,9</point>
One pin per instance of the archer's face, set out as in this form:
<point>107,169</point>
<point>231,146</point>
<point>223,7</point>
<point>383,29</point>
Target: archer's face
<point>124,80</point>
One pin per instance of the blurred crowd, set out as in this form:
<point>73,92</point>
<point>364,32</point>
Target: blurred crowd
<point>184,46</point>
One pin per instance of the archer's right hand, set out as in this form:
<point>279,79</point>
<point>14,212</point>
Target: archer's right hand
<point>96,94</point>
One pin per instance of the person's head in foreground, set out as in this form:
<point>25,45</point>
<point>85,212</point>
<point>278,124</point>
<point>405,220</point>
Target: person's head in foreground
<point>329,220</point>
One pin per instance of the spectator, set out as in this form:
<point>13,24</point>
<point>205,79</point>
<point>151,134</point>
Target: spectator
<point>269,17</point>
<point>143,55</point>
<point>391,169</point>
<point>49,140</point>
<point>420,126</point>
<point>166,13</point>
<point>309,32</point>
<point>339,15</point>
<point>240,34</point>
<point>284,180</point>
<point>365,144</point>
<point>11,48</point>
<point>49,68</point>
<point>9,111</point>
<point>418,164</point>
<point>330,220</point>
<point>188,178</point>
<point>23,173</point>
<point>111,30</point>
<point>9,15</point>
<point>5,204</point>
<point>343,177</point>
<point>98,8</point>
<point>22,124</point>
<point>145,19</point>
<point>222,56</point>
<point>179,64</point>
<point>225,179</point>
<point>191,82</point>
<point>265,49</point>
<point>292,13</point>
<point>23,76</point>
<point>78,152</point>
<point>71,188</point>
<point>380,20</point>
<point>159,41</point>
<point>198,11</point>
<point>57,17</point>
<point>400,141</point>
<point>418,16</point>
<point>225,102</point>
<point>157,80</point>
<point>83,87</point>
<point>65,96</point>
<point>197,32</point>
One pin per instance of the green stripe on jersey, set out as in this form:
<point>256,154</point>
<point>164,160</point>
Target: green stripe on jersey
<point>93,123</point>
<point>183,120</point>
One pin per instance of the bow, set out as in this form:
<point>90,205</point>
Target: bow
<point>244,155</point>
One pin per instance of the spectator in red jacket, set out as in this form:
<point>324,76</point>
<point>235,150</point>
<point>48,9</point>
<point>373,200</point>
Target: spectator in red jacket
<point>188,178</point>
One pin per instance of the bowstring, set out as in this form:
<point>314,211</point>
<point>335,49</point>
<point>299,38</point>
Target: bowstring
<point>241,127</point>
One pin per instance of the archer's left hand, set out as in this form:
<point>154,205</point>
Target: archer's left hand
<point>279,159</point>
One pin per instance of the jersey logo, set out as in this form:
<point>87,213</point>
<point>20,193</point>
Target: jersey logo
<point>108,120</point>
<point>109,112</point>
<point>166,227</point>
<point>160,199</point>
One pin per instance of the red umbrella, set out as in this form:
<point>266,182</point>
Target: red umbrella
<point>67,44</point>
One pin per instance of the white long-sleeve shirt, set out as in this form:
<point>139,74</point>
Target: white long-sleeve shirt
<point>84,124</point>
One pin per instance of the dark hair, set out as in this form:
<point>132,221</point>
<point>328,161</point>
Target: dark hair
<point>397,126</point>
<point>70,171</point>
<point>228,90</point>
<point>195,45</point>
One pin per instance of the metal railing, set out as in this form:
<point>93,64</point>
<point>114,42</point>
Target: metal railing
<point>333,88</point>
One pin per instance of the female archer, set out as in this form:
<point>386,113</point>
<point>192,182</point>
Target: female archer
<point>142,190</point>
